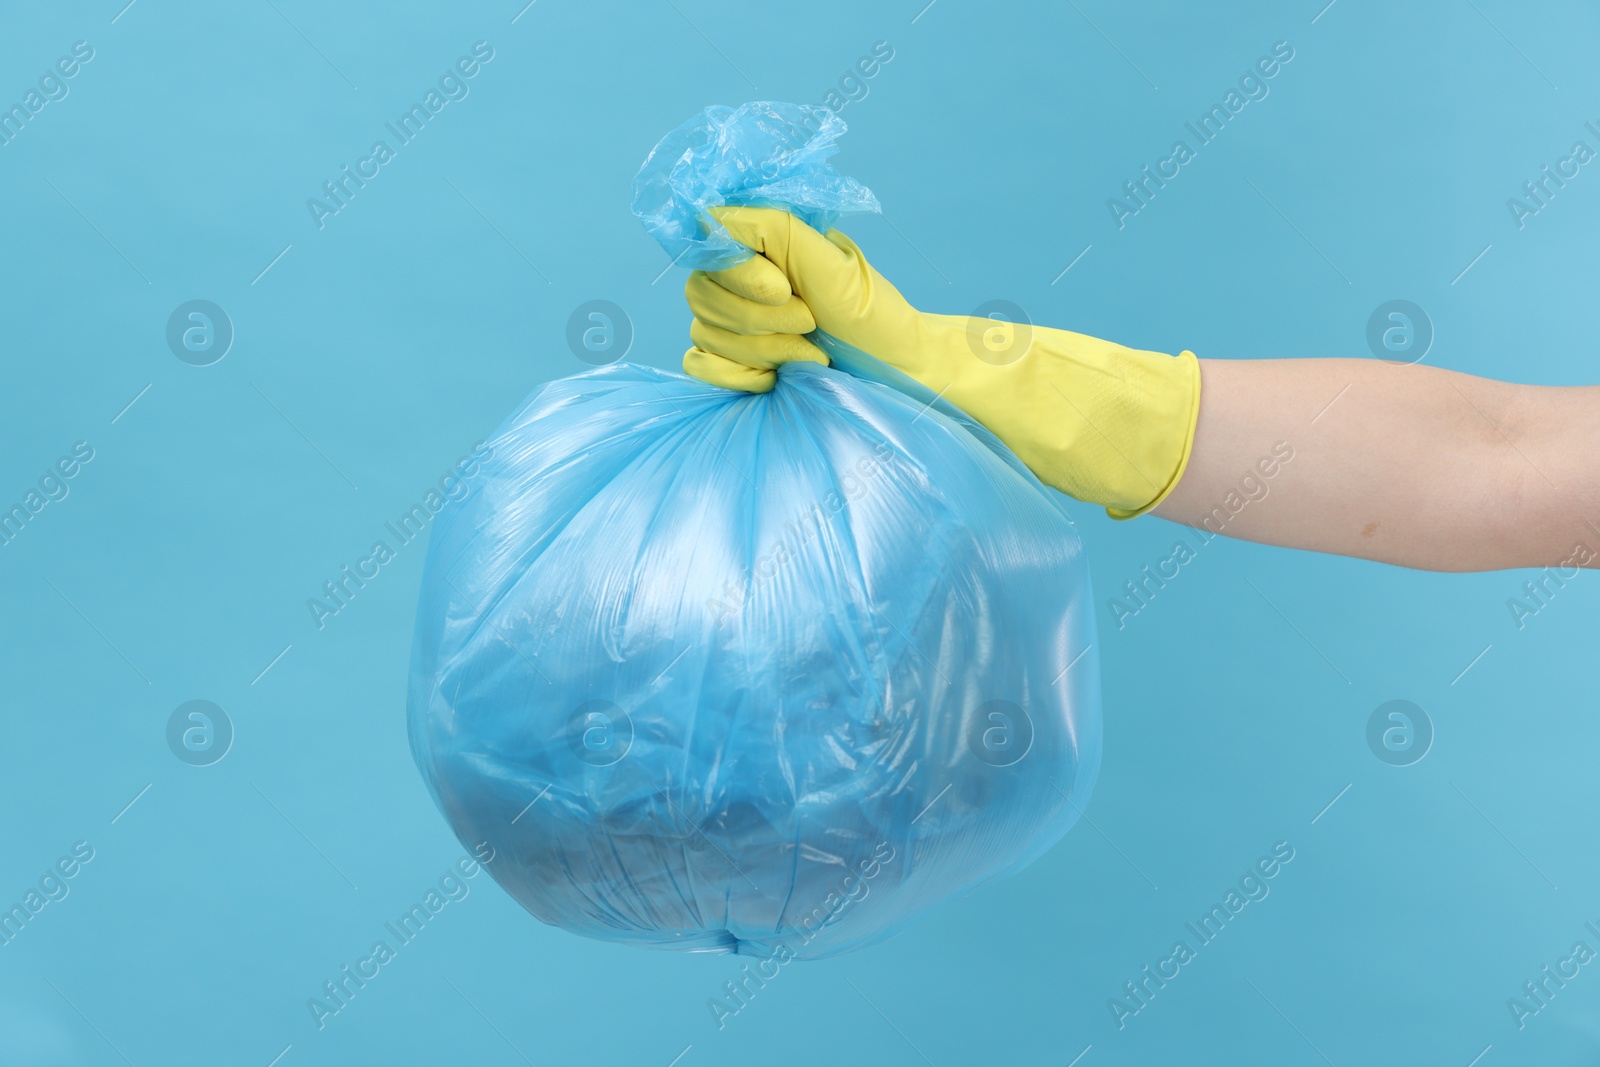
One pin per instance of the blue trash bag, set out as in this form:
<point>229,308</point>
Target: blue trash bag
<point>766,674</point>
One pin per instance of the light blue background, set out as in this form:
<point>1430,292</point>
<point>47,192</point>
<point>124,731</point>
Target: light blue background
<point>389,341</point>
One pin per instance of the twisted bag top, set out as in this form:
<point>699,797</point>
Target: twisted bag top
<point>767,674</point>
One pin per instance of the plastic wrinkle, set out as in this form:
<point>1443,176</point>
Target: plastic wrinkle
<point>761,154</point>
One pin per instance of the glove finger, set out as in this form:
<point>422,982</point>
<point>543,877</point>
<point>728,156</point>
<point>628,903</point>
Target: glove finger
<point>758,279</point>
<point>714,304</point>
<point>726,374</point>
<point>814,265</point>
<point>765,351</point>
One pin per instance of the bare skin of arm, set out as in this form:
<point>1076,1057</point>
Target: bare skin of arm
<point>1403,464</point>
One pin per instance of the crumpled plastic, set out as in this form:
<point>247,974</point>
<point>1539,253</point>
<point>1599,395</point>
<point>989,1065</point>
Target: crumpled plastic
<point>761,154</point>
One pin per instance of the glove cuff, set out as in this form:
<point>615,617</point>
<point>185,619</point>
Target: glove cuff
<point>1185,384</point>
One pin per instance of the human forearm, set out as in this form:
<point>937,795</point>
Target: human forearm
<point>1403,464</point>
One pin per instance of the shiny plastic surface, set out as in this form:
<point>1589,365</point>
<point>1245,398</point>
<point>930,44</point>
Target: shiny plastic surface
<point>761,154</point>
<point>767,674</point>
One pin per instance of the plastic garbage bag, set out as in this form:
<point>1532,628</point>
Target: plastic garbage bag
<point>767,674</point>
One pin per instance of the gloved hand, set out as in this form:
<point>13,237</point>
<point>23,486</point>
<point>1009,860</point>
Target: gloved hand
<point>1103,423</point>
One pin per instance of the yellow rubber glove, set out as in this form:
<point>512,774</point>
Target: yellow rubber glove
<point>1103,423</point>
